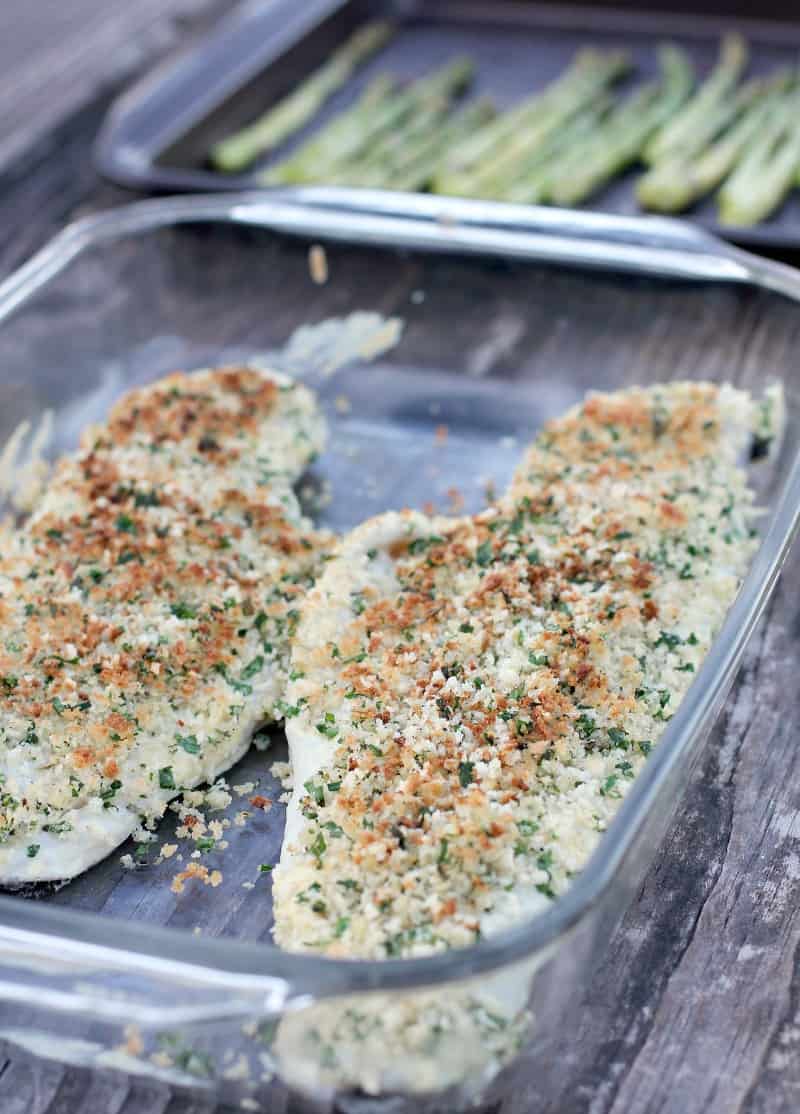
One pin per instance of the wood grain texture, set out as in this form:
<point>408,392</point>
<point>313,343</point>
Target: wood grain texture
<point>696,1007</point>
<point>57,57</point>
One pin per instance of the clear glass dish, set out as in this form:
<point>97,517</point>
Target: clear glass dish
<point>510,316</point>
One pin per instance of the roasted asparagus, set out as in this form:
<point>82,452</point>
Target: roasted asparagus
<point>238,151</point>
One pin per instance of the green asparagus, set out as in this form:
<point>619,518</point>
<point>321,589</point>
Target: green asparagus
<point>475,152</point>
<point>422,160</point>
<point>680,181</point>
<point>528,139</point>
<point>343,134</point>
<point>238,151</point>
<point>712,94</point>
<point>377,162</point>
<point>714,124</point>
<point>343,143</point>
<point>766,174</point>
<point>621,138</point>
<point>560,144</point>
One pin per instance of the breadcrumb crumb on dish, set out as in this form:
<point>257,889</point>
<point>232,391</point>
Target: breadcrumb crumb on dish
<point>134,1044</point>
<point>244,789</point>
<point>318,264</point>
<point>145,611</point>
<point>195,870</point>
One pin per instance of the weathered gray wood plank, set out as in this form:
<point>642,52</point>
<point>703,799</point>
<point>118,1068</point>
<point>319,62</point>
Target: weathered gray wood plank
<point>56,57</point>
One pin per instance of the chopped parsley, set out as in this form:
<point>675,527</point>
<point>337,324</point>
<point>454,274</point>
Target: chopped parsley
<point>166,779</point>
<point>328,726</point>
<point>585,726</point>
<point>318,847</point>
<point>183,611</point>
<point>483,554</point>
<point>107,795</point>
<point>465,772</point>
<point>125,524</point>
<point>252,668</point>
<point>315,791</point>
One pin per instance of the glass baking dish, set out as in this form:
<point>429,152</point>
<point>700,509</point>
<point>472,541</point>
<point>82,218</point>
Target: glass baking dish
<point>509,316</point>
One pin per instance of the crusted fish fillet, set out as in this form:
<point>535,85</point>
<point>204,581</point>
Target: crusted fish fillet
<point>145,610</point>
<point>473,698</point>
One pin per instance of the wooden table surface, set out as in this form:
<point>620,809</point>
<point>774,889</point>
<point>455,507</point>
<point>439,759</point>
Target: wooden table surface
<point>697,1005</point>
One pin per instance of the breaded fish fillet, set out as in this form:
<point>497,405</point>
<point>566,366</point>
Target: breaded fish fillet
<point>145,611</point>
<point>473,698</point>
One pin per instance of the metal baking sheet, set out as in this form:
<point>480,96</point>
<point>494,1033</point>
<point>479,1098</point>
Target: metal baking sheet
<point>158,134</point>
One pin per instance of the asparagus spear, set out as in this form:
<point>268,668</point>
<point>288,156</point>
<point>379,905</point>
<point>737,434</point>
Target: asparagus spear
<point>677,80</point>
<point>714,124</point>
<point>712,94</point>
<point>235,153</point>
<point>534,181</point>
<point>615,144</point>
<point>681,180</point>
<point>343,134</point>
<point>765,176</point>
<point>528,139</point>
<point>417,171</point>
<point>327,152</point>
<point>476,150</point>
<point>377,162</point>
<point>620,140</point>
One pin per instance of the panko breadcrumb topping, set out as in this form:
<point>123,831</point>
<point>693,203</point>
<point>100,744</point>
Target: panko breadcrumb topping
<point>208,877</point>
<point>478,695</point>
<point>146,608</point>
